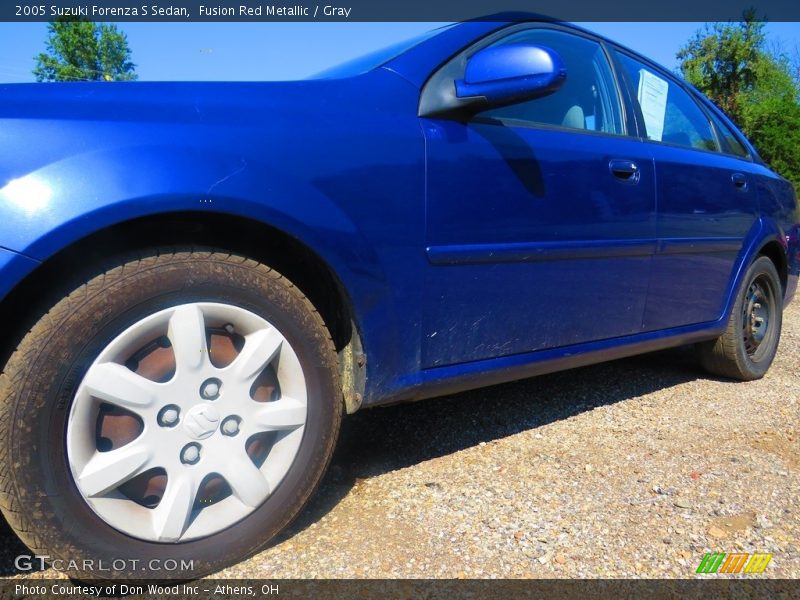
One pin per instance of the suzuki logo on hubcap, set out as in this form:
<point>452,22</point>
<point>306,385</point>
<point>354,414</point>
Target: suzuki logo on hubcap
<point>201,421</point>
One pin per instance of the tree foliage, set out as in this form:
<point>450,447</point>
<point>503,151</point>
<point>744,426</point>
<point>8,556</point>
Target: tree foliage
<point>79,50</point>
<point>721,60</point>
<point>758,88</point>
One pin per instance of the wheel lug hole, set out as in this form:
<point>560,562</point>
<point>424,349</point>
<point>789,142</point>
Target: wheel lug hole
<point>211,389</point>
<point>190,455</point>
<point>169,416</point>
<point>230,426</point>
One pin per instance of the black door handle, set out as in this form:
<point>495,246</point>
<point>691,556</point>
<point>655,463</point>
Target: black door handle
<point>624,170</point>
<point>739,180</point>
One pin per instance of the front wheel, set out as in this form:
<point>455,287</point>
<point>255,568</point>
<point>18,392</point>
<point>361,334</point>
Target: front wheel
<point>168,418</point>
<point>747,348</point>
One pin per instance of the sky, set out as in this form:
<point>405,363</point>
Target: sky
<point>276,51</point>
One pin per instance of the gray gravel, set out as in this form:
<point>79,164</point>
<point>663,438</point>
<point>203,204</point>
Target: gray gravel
<point>631,468</point>
<point>634,468</point>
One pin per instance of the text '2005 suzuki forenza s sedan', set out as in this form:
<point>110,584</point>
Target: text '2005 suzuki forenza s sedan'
<point>197,280</point>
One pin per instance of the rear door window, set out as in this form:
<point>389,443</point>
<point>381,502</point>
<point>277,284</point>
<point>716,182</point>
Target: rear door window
<point>669,113</point>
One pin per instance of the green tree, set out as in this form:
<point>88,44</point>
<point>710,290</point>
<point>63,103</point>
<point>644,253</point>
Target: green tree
<point>79,50</point>
<point>721,61</point>
<point>770,116</point>
<point>757,87</point>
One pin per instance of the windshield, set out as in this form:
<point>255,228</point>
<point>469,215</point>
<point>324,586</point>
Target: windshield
<point>375,59</point>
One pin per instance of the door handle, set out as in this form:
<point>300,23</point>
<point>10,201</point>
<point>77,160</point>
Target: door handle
<point>740,181</point>
<point>624,170</point>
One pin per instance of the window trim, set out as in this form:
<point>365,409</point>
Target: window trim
<point>512,29</point>
<point>636,118</point>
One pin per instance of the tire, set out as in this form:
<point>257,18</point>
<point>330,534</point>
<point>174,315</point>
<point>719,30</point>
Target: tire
<point>70,400</point>
<point>747,348</point>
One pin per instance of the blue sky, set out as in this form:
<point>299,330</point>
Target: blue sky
<point>263,51</point>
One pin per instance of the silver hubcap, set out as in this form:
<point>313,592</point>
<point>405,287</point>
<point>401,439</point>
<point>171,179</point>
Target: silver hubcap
<point>756,318</point>
<point>187,422</point>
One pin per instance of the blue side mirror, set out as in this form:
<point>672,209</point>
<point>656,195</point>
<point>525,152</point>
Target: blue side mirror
<point>504,75</point>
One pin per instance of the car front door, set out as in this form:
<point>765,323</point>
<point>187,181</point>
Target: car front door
<point>540,215</point>
<point>705,195</point>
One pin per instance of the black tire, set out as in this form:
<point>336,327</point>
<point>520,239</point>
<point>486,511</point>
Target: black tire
<point>739,353</point>
<point>38,496</point>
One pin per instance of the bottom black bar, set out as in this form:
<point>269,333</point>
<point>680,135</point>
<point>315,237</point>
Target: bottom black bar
<point>366,589</point>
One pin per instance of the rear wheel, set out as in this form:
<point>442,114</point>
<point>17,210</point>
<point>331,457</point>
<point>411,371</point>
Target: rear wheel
<point>747,348</point>
<point>173,415</point>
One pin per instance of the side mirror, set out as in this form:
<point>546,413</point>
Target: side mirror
<point>502,75</point>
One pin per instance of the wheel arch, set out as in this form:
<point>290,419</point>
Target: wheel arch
<point>299,262</point>
<point>777,254</point>
<point>765,238</point>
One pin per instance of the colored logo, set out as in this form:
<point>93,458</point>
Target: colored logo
<point>720,562</point>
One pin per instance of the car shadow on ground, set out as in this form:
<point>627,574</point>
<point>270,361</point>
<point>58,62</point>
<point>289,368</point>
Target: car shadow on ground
<point>10,549</point>
<point>377,441</point>
<point>384,439</point>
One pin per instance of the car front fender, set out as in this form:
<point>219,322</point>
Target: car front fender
<point>63,202</point>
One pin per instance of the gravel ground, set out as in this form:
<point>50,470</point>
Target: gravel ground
<point>634,468</point>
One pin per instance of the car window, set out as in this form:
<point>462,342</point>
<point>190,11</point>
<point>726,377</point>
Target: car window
<point>670,114</point>
<point>588,100</point>
<point>731,142</point>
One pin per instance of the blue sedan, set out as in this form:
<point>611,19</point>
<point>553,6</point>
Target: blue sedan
<point>198,280</point>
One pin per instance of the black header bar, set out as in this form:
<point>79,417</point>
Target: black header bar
<point>394,10</point>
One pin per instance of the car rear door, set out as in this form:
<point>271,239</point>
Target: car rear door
<point>540,217</point>
<point>705,194</point>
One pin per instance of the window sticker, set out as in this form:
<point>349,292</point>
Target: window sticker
<point>653,101</point>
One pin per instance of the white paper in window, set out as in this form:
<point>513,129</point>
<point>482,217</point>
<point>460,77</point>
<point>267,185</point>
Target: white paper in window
<point>653,99</point>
